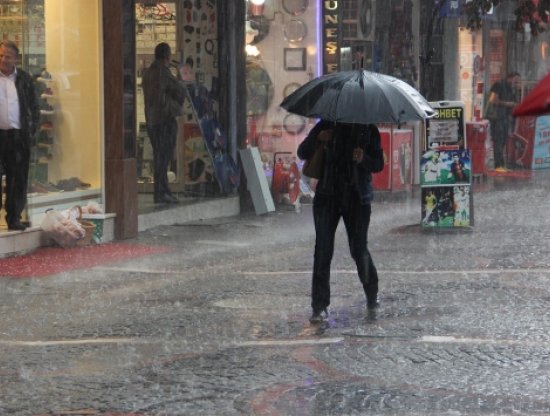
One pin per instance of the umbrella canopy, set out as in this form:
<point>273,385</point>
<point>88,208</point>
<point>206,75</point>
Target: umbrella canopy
<point>537,102</point>
<point>359,96</point>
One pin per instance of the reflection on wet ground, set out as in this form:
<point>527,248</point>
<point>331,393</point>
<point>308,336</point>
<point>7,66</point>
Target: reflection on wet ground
<point>219,324</point>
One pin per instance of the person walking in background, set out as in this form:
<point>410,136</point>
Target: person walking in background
<point>19,118</point>
<point>343,191</point>
<point>502,100</point>
<point>163,95</point>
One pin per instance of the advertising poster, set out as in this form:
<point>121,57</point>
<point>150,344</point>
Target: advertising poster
<point>541,147</point>
<point>446,129</point>
<point>446,206</point>
<point>461,206</point>
<point>438,207</point>
<point>445,180</point>
<point>445,167</point>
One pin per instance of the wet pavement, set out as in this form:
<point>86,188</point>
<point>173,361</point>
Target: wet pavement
<point>218,325</point>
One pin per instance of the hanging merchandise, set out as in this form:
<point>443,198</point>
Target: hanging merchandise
<point>286,179</point>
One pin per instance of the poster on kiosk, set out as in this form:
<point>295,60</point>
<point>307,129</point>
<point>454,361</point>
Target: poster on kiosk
<point>446,169</point>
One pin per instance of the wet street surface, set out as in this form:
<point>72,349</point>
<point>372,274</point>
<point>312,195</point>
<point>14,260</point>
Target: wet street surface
<point>218,323</point>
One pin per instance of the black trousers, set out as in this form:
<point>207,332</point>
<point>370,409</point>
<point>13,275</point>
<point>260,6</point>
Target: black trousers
<point>500,130</point>
<point>163,140</point>
<point>14,157</point>
<point>327,211</point>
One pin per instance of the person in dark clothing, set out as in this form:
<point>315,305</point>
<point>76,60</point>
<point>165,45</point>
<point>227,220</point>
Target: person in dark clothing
<point>503,98</point>
<point>344,191</point>
<point>19,117</point>
<point>163,95</point>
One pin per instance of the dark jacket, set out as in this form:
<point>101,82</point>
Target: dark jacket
<point>505,92</point>
<point>29,108</point>
<point>163,94</point>
<point>341,174</point>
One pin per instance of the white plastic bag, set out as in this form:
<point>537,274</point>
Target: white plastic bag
<point>63,227</point>
<point>92,208</point>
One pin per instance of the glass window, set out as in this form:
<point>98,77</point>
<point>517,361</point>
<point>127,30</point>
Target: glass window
<point>197,168</point>
<point>59,43</point>
<point>283,51</point>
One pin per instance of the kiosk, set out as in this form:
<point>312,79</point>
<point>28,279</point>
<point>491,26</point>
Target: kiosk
<point>446,169</point>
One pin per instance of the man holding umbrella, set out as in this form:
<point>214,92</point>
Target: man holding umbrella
<point>349,105</point>
<point>343,191</point>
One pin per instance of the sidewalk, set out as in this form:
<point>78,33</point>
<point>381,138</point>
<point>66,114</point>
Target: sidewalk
<point>17,242</point>
<point>203,209</point>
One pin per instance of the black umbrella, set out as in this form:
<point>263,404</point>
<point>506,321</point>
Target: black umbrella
<point>358,96</point>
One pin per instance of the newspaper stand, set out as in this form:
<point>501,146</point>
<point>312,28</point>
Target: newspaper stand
<point>446,170</point>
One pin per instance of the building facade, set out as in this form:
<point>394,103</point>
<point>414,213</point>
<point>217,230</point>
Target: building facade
<point>244,57</point>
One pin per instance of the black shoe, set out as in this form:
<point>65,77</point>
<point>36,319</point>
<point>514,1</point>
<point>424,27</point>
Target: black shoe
<point>319,316</point>
<point>373,303</point>
<point>17,226</point>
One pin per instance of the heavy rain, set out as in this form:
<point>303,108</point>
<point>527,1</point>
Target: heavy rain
<point>184,286</point>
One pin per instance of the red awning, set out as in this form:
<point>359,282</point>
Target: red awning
<point>537,102</point>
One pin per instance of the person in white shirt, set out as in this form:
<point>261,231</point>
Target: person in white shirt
<point>19,117</point>
<point>432,168</point>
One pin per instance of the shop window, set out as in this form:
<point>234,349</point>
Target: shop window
<point>190,28</point>
<point>282,49</point>
<point>59,43</point>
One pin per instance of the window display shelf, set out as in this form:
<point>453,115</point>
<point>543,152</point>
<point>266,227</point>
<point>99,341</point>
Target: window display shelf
<point>13,18</point>
<point>59,198</point>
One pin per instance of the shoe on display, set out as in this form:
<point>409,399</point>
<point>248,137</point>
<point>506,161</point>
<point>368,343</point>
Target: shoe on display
<point>319,316</point>
<point>501,169</point>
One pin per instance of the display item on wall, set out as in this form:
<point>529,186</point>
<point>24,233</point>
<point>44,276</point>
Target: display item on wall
<point>259,89</point>
<point>295,59</point>
<point>290,88</point>
<point>261,24</point>
<point>294,124</point>
<point>295,7</point>
<point>295,30</point>
<point>366,19</point>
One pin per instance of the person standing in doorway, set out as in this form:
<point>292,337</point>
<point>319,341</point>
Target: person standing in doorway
<point>502,98</point>
<point>344,191</point>
<point>19,118</point>
<point>163,95</point>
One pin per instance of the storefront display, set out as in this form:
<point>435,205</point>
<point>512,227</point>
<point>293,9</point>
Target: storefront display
<point>59,43</point>
<point>201,158</point>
